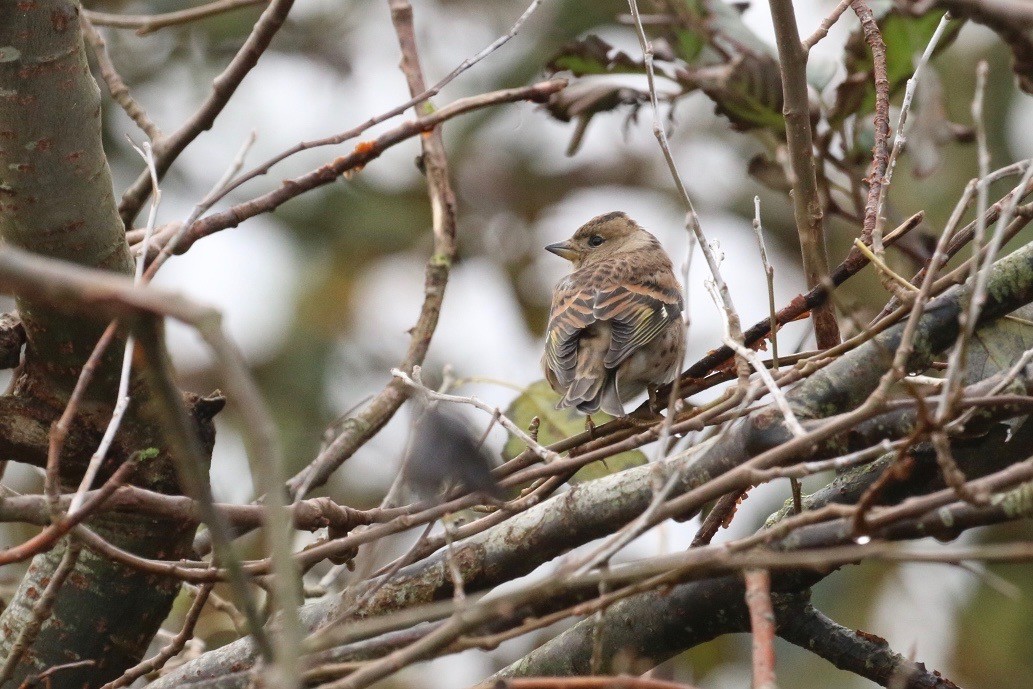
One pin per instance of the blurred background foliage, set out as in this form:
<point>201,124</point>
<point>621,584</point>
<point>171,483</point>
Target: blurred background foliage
<point>320,294</point>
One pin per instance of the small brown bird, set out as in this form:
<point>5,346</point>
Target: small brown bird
<point>615,328</point>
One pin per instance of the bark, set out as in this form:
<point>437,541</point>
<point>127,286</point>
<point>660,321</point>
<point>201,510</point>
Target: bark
<point>56,199</point>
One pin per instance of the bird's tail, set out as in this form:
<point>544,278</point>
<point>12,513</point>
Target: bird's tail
<point>590,394</point>
<point>594,386</point>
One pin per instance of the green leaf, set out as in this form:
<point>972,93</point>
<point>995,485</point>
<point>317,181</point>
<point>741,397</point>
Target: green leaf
<point>689,44</point>
<point>556,424</point>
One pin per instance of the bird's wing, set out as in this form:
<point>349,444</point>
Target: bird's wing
<point>636,307</point>
<point>638,310</point>
<point>572,312</point>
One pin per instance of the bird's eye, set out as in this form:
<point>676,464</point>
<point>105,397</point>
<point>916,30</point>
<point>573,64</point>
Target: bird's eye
<point>595,240</point>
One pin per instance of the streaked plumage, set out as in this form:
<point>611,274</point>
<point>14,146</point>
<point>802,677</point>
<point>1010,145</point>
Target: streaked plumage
<point>615,326</point>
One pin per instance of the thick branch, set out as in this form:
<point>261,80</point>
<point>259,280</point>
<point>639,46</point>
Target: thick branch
<point>12,338</point>
<point>807,204</point>
<point>865,655</point>
<point>658,625</point>
<point>310,515</point>
<point>54,179</point>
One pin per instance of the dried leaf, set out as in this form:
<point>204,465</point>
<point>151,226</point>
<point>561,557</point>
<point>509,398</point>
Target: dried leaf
<point>593,55</point>
<point>748,91</point>
<point>997,346</point>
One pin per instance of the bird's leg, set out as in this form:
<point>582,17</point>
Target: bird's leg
<point>590,426</point>
<point>654,400</point>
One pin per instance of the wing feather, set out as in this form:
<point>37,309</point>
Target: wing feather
<point>637,313</point>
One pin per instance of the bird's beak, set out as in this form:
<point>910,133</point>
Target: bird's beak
<point>564,250</point>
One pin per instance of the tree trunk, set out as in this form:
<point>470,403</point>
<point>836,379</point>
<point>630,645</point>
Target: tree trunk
<point>56,199</point>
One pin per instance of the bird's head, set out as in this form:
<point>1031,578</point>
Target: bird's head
<point>602,237</point>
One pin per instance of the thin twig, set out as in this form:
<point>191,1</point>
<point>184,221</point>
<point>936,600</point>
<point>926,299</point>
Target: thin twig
<point>883,268</point>
<point>769,273</point>
<point>799,306</point>
<point>765,375</point>
<point>224,86</point>
<point>956,362</point>
<point>823,29</point>
<point>171,242</point>
<point>416,383</point>
<point>43,678</point>
<point>116,85</point>
<point>149,23</point>
<point>363,153</point>
<point>389,114</point>
<point>61,524</point>
<point>958,356</point>
<point>454,572</point>
<point>261,441</point>
<point>872,232</point>
<point>189,460</point>
<point>719,516</point>
<point>900,138</point>
<point>691,217</point>
<point>647,519</point>
<point>980,274</point>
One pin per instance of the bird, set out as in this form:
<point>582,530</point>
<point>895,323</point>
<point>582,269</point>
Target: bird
<point>615,326</point>
<point>445,451</point>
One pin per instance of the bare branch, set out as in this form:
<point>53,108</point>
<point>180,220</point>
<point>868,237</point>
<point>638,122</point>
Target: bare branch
<point>362,154</point>
<point>149,23</point>
<point>807,204</point>
<point>823,29</point>
<point>168,148</point>
<point>900,138</point>
<point>762,623</point>
<point>880,159</point>
<point>116,85</point>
